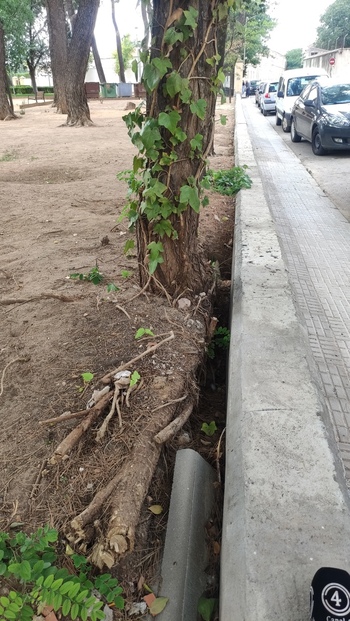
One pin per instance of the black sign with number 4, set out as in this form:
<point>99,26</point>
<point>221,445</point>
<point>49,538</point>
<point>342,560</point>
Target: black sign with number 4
<point>330,595</point>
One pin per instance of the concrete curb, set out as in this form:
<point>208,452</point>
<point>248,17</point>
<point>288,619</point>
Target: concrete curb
<point>185,553</point>
<point>286,510</point>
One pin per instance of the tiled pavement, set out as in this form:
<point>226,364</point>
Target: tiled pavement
<point>315,243</point>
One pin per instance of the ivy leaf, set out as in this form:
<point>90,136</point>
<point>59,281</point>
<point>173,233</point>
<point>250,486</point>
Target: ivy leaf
<point>164,227</point>
<point>149,136</point>
<point>135,68</point>
<point>191,17</point>
<point>174,84</point>
<point>197,142</point>
<point>130,244</point>
<point>157,189</point>
<point>169,120</point>
<point>210,429</point>
<point>158,605</point>
<point>223,119</point>
<point>151,77</point>
<point>205,201</point>
<point>223,11</point>
<point>162,64</point>
<point>138,162</point>
<point>155,257</point>
<point>172,35</point>
<point>186,94</point>
<point>87,377</point>
<point>189,196</point>
<point>199,107</point>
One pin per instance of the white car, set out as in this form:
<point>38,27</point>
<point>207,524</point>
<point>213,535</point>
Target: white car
<point>268,98</point>
<point>290,85</point>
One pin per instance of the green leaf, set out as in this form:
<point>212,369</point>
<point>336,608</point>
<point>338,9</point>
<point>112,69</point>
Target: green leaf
<point>189,196</point>
<point>169,120</point>
<point>164,227</point>
<point>174,84</point>
<point>138,162</point>
<point>66,607</point>
<point>206,608</point>
<point>162,64</point>
<point>48,581</point>
<point>74,590</point>
<point>56,584</point>
<point>87,377</point>
<point>4,601</point>
<point>199,107</point>
<point>210,429</point>
<point>134,378</point>
<point>74,612</point>
<point>112,287</point>
<point>9,614</point>
<point>66,586</point>
<point>82,595</point>
<point>135,68</point>
<point>223,119</point>
<point>158,605</point>
<point>142,332</point>
<point>57,601</point>
<point>126,273</point>
<point>172,36</point>
<point>191,17</point>
<point>197,142</point>
<point>129,245</point>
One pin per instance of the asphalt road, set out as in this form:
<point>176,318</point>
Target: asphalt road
<point>330,171</point>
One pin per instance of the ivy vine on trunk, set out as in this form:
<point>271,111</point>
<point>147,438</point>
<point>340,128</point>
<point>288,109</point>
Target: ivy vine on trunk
<point>174,137</point>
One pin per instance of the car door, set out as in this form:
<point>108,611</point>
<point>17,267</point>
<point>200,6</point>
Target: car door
<point>310,111</point>
<point>299,112</point>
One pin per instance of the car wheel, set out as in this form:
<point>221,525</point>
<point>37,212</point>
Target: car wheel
<point>278,120</point>
<point>293,133</point>
<point>285,126</point>
<point>316,143</point>
<point>261,110</point>
<point>264,112</point>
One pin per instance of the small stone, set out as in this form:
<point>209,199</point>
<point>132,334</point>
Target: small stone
<point>184,303</point>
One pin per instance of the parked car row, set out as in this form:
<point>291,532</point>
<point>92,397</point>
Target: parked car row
<point>311,106</point>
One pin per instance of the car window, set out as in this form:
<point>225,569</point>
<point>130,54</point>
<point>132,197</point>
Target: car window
<point>305,93</point>
<point>296,85</point>
<point>313,94</point>
<point>273,88</point>
<point>335,94</point>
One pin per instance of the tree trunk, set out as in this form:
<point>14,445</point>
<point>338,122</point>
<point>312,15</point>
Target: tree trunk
<point>6,111</point>
<point>146,25</point>
<point>184,266</point>
<point>119,45</point>
<point>98,64</point>
<point>56,19</point>
<point>78,57</point>
<point>31,69</point>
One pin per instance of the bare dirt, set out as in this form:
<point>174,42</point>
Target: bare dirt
<point>60,200</point>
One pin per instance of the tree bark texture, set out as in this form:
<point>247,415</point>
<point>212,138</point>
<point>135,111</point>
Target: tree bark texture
<point>119,44</point>
<point>6,110</point>
<point>97,59</point>
<point>56,19</point>
<point>184,266</point>
<point>78,57</point>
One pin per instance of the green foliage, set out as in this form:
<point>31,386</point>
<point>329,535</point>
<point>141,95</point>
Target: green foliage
<point>112,287</point>
<point>228,182</point>
<point>206,607</point>
<point>8,156</point>
<point>87,377</point>
<point>210,429</point>
<point>294,58</point>
<point>334,29</point>
<point>28,567</point>
<point>135,377</point>
<point>94,276</point>
<point>221,340</point>
<point>128,49</point>
<point>143,332</point>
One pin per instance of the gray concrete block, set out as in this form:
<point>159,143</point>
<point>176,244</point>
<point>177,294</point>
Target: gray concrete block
<point>185,554</point>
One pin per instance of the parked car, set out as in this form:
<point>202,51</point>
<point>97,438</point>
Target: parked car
<point>259,89</point>
<point>268,98</point>
<point>321,115</point>
<point>290,86</point>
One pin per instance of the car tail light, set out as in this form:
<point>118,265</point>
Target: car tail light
<point>267,95</point>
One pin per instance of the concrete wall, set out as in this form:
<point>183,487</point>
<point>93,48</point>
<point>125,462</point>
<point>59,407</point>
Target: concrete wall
<point>341,67</point>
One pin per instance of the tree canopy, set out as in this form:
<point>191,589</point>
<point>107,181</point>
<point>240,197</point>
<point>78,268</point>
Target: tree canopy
<point>128,49</point>
<point>334,29</point>
<point>294,58</point>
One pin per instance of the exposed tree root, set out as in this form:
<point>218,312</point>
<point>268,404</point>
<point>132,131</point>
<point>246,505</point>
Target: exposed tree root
<point>175,425</point>
<point>40,296</point>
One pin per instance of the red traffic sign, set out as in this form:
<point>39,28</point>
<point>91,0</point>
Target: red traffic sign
<point>332,61</point>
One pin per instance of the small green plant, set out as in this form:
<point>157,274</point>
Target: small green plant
<point>143,332</point>
<point>210,429</point>
<point>134,378</point>
<point>221,339</point>
<point>94,276</point>
<point>228,182</point>
<point>112,287</point>
<point>126,273</point>
<point>206,607</point>
<point>87,377</point>
<point>8,156</point>
<point>28,568</point>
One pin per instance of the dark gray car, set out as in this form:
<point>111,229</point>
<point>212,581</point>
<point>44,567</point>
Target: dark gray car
<point>321,115</point>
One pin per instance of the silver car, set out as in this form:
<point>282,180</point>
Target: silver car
<point>268,98</point>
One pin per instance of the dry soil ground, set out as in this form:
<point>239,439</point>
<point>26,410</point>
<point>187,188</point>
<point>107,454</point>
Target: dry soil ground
<point>60,200</point>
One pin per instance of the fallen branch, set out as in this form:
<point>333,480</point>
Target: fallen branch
<point>74,436</point>
<point>65,416</point>
<point>19,359</point>
<point>41,296</point>
<point>107,378</point>
<point>175,425</point>
<point>101,432</point>
<point>164,405</point>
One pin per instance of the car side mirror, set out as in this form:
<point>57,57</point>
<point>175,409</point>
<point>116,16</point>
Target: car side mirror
<point>280,94</point>
<point>309,102</point>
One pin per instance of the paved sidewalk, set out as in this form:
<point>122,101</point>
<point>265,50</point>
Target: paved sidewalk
<point>287,506</point>
<point>315,242</point>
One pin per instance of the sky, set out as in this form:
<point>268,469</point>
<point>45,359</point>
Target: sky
<point>297,23</point>
<point>129,21</point>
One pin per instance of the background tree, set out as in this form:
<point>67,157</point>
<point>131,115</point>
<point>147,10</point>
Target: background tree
<point>36,41</point>
<point>70,58</point>
<point>334,29</point>
<point>71,13</point>
<point>14,14</point>
<point>174,138</point>
<point>128,50</point>
<point>121,71</point>
<point>294,58</point>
